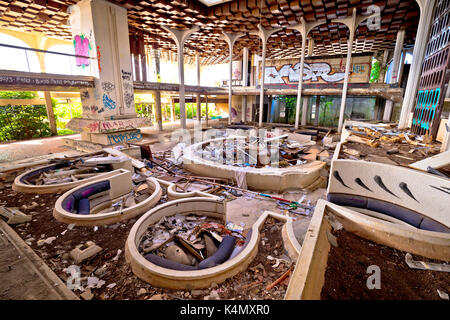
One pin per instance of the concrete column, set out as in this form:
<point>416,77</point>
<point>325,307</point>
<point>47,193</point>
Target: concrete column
<point>317,106</point>
<point>50,113</point>
<point>304,110</point>
<point>304,28</point>
<point>244,82</point>
<point>172,112</point>
<point>264,35</point>
<point>397,55</point>
<point>388,107</point>
<point>207,116</point>
<point>426,12</point>
<point>180,37</point>
<point>158,114</point>
<point>352,23</point>
<point>199,103</point>
<point>446,141</point>
<point>231,38</point>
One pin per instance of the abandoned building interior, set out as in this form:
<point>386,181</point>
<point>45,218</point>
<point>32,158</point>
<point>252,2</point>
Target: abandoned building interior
<point>224,149</point>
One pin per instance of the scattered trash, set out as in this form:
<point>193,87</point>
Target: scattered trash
<point>83,252</point>
<point>443,295</point>
<point>426,265</point>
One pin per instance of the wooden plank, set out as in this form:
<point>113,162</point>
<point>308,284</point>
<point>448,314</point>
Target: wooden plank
<point>50,113</point>
<point>21,102</point>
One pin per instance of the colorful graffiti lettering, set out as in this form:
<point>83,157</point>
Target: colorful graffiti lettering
<point>108,102</point>
<point>311,72</point>
<point>82,48</point>
<point>124,137</point>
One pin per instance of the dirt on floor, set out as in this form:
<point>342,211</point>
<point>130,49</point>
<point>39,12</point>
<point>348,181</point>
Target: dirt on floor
<point>402,154</point>
<point>346,275</point>
<point>110,266</point>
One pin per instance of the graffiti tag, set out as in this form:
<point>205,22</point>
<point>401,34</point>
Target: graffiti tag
<point>124,137</point>
<point>82,48</point>
<point>108,87</point>
<point>126,75</point>
<point>108,102</point>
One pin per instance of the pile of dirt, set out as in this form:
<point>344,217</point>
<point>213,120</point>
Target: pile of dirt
<point>346,274</point>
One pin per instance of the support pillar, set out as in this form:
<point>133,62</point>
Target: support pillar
<point>394,77</point>
<point>244,82</point>
<point>172,112</point>
<point>264,34</point>
<point>304,28</point>
<point>207,115</point>
<point>50,113</point>
<point>397,55</point>
<point>352,23</point>
<point>100,29</point>
<point>158,114</point>
<point>231,38</point>
<point>426,12</point>
<point>180,37</point>
<point>199,102</point>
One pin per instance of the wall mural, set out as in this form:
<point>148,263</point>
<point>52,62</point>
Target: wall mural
<point>284,72</point>
<point>82,48</point>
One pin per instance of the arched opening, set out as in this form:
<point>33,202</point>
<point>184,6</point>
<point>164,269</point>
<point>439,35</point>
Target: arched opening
<point>17,59</point>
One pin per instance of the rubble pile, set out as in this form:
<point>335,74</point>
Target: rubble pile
<point>386,144</point>
<point>258,154</point>
<point>190,240</point>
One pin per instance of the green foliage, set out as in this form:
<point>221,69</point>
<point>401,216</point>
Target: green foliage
<point>23,122</point>
<point>375,71</point>
<point>64,112</point>
<point>328,116</point>
<point>63,132</point>
<point>17,95</point>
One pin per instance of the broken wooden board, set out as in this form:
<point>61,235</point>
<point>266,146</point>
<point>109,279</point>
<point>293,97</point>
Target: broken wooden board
<point>13,215</point>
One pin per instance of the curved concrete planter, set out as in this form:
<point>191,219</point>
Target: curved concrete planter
<point>421,199</point>
<point>120,181</point>
<point>309,275</point>
<point>20,186</point>
<point>197,279</point>
<point>273,179</point>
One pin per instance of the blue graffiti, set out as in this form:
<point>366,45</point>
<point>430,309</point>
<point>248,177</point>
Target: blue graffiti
<point>427,102</point>
<point>124,137</point>
<point>108,102</point>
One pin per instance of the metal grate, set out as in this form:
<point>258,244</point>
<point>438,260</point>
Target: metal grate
<point>435,74</point>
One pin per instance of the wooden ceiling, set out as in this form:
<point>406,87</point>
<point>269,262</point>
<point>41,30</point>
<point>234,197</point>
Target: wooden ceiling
<point>50,17</point>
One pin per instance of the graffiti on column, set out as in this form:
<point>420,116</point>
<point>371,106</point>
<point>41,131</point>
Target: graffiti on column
<point>128,89</point>
<point>98,59</point>
<point>124,137</point>
<point>82,48</point>
<point>108,87</point>
<point>108,102</point>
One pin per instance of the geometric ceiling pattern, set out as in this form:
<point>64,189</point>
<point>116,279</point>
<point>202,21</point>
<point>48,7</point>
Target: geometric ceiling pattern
<point>50,17</point>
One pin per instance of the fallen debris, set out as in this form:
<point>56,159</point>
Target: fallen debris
<point>425,265</point>
<point>83,252</point>
<point>13,215</point>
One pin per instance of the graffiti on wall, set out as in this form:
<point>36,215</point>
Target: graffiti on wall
<point>312,72</point>
<point>108,102</point>
<point>124,137</point>
<point>108,87</point>
<point>93,109</point>
<point>98,59</point>
<point>427,101</point>
<point>82,48</point>
<point>332,70</point>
